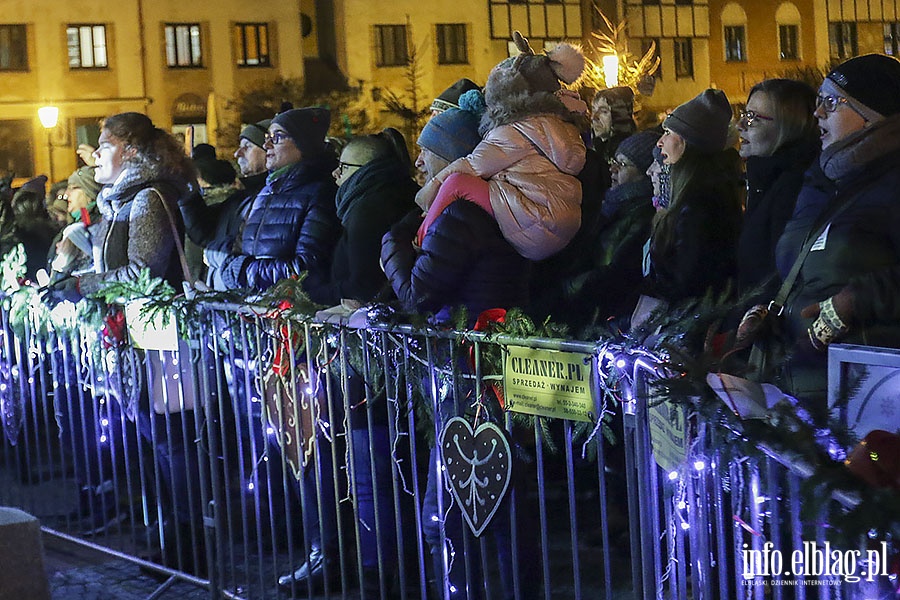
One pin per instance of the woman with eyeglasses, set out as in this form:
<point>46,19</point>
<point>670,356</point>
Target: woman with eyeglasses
<point>694,241</point>
<point>843,240</point>
<point>779,140</point>
<point>291,226</point>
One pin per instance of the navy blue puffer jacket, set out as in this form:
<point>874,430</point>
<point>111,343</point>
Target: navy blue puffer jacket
<point>464,261</point>
<point>291,227</point>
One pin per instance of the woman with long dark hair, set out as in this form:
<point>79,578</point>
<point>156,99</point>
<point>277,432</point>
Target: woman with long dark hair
<point>693,244</point>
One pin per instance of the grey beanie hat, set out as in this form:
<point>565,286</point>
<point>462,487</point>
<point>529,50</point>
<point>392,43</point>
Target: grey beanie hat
<point>702,121</point>
<point>255,133</point>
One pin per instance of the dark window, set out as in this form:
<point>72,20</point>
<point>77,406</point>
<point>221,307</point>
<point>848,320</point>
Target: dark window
<point>451,42</point>
<point>87,46</point>
<point>735,43</point>
<point>842,39</point>
<point>651,2</point>
<point>684,2</point>
<point>789,42</point>
<point>16,152</point>
<point>13,48</point>
<point>183,45</point>
<point>390,46</point>
<point>684,58</point>
<point>251,44</point>
<point>892,39</point>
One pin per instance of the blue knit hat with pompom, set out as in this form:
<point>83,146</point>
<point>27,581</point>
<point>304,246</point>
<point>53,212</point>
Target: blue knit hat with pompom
<point>454,133</point>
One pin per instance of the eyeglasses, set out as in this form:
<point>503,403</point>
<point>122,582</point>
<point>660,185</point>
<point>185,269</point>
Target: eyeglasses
<point>748,116</point>
<point>622,164</point>
<point>276,138</point>
<point>342,166</point>
<point>829,103</point>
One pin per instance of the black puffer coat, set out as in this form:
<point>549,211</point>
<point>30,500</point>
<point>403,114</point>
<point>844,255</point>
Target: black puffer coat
<point>773,184</point>
<point>464,261</point>
<point>371,200</point>
<point>291,227</point>
<point>859,249</point>
<point>217,226</point>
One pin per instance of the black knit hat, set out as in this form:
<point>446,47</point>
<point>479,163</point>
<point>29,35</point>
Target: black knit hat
<point>216,171</point>
<point>702,121</point>
<point>872,80</point>
<point>307,127</point>
<point>449,98</point>
<point>638,148</point>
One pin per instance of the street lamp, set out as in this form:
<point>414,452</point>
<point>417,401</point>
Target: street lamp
<point>49,117</point>
<point>611,70</point>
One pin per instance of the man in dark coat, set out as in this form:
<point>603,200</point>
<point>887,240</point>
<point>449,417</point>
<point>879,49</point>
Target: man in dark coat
<point>291,225</point>
<point>375,190</point>
<point>215,227</point>
<point>457,256</point>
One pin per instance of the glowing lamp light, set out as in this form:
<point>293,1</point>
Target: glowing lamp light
<point>673,475</point>
<point>621,363</point>
<point>611,70</point>
<point>699,465</point>
<point>49,116</point>
<point>685,526</point>
<point>682,505</point>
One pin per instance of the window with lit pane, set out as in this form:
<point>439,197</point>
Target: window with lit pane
<point>251,44</point>
<point>87,46</point>
<point>183,48</point>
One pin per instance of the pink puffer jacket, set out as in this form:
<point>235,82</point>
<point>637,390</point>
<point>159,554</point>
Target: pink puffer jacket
<point>530,166</point>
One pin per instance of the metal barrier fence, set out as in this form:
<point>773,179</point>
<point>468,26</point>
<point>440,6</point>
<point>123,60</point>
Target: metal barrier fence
<point>260,445</point>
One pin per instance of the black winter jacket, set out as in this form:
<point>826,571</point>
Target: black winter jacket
<point>217,226</point>
<point>773,184</point>
<point>702,252</point>
<point>464,260</point>
<point>610,283</point>
<point>291,227</point>
<point>372,200</point>
<point>859,249</point>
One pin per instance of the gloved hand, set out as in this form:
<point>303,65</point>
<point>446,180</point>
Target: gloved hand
<point>64,289</point>
<point>213,258</point>
<point>832,318</point>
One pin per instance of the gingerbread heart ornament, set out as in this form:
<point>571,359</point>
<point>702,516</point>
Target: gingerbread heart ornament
<point>478,469</point>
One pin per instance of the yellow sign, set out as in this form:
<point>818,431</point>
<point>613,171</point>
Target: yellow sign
<point>668,434</point>
<point>548,383</point>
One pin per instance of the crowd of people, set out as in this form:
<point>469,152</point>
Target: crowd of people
<point>529,198</point>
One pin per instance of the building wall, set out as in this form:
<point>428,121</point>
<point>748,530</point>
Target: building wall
<point>703,21</point>
<point>487,23</point>
<point>137,77</point>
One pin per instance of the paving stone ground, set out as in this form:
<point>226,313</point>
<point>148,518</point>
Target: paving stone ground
<point>79,573</point>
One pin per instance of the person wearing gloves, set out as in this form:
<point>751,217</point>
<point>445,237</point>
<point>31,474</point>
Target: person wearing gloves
<point>844,236</point>
<point>214,227</point>
<point>457,256</point>
<point>531,153</point>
